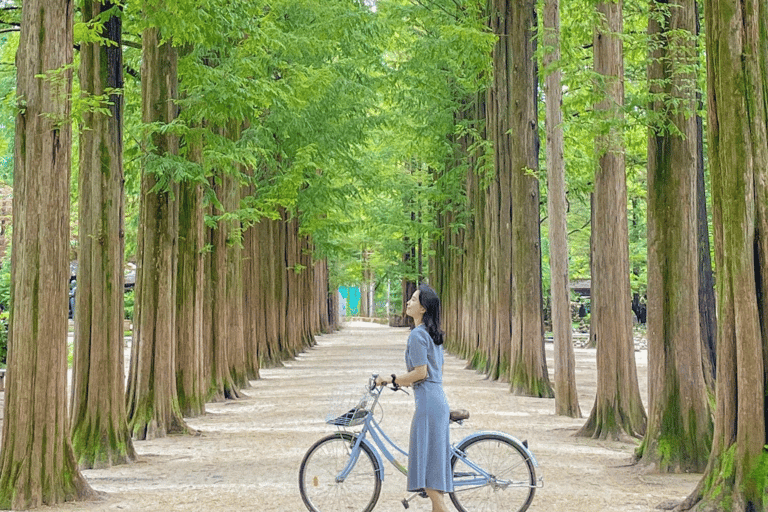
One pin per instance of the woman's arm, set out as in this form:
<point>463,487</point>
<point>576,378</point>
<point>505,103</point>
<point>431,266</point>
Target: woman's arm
<point>406,379</point>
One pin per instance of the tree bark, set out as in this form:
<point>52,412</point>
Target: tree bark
<point>679,431</point>
<point>707,302</point>
<point>153,404</point>
<point>190,356</point>
<point>253,309</point>
<point>737,93</point>
<point>234,276</point>
<point>37,462</point>
<point>516,272</point>
<point>221,383</point>
<point>566,397</point>
<point>100,434</point>
<point>618,407</point>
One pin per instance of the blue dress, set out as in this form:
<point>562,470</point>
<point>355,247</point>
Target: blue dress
<point>429,456</point>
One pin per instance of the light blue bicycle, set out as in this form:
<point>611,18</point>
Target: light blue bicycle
<point>492,471</point>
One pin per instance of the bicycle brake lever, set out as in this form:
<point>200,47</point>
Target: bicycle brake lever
<point>398,387</point>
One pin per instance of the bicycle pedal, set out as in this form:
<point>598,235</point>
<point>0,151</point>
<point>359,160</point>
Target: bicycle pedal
<point>525,443</point>
<point>405,503</point>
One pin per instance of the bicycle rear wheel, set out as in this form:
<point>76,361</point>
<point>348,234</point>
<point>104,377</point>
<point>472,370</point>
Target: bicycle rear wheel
<point>512,481</point>
<point>324,461</point>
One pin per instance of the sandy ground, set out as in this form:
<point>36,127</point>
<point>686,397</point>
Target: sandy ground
<point>247,455</point>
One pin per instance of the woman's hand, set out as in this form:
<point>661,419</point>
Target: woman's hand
<point>380,381</point>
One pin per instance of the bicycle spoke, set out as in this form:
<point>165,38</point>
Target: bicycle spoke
<point>320,469</point>
<point>510,482</point>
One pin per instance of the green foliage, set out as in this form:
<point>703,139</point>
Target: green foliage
<point>760,473</point>
<point>343,115</point>
<point>8,44</point>
<point>128,304</point>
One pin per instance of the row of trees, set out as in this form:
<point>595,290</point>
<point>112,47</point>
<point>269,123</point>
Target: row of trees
<point>492,259</point>
<point>226,278</point>
<point>253,139</point>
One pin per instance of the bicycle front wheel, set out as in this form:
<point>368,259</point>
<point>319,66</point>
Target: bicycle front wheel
<point>503,476</point>
<point>318,483</point>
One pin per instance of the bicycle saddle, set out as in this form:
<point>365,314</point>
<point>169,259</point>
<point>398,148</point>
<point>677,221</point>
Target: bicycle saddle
<point>459,415</point>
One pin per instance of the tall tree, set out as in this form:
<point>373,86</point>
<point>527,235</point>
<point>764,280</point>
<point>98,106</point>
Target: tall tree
<point>153,405</point>
<point>679,432</point>
<point>513,128</point>
<point>707,301</point>
<point>566,398</point>
<point>222,332</point>
<point>100,434</point>
<point>737,106</point>
<point>618,407</point>
<point>234,274</point>
<point>37,464</point>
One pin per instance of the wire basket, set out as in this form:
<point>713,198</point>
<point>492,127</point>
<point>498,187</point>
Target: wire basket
<point>347,408</point>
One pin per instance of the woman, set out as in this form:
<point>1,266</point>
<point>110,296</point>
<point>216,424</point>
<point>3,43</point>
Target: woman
<point>429,461</point>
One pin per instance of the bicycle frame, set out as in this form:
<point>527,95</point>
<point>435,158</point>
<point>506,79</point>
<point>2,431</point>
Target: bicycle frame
<point>372,427</point>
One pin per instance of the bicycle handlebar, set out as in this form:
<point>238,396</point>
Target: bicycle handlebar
<point>393,387</point>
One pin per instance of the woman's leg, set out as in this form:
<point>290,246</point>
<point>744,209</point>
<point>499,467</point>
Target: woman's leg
<point>438,505</point>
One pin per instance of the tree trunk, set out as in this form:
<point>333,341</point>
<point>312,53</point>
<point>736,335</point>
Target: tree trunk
<point>679,431</point>
<point>516,272</point>
<point>365,284</point>
<point>221,384</point>
<point>273,275</point>
<point>264,307</point>
<point>737,89</point>
<point>566,397</point>
<point>293,311</point>
<point>153,405</point>
<point>37,461</point>
<point>707,303</point>
<point>191,385</point>
<point>100,434</point>
<point>618,406</point>
<point>253,309</point>
<point>234,278</point>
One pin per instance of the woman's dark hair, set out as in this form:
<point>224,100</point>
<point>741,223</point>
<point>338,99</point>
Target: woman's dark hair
<point>431,319</point>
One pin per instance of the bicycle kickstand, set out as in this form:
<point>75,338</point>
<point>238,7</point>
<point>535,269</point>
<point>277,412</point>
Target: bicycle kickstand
<point>406,502</point>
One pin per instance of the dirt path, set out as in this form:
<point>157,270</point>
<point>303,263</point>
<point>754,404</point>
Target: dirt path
<point>247,455</point>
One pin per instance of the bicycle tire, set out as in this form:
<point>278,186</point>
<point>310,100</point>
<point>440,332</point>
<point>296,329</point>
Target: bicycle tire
<point>325,459</point>
<point>502,458</point>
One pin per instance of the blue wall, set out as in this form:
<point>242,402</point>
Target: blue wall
<point>351,295</point>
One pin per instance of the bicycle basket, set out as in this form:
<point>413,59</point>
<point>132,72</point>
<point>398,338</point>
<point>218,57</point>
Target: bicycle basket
<point>347,409</point>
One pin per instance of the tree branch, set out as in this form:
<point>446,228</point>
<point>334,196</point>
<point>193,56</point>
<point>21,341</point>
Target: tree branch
<point>582,227</point>
<point>419,2</point>
<point>135,74</point>
<point>132,44</point>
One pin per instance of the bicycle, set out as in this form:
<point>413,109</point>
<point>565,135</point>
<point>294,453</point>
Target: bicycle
<point>492,471</point>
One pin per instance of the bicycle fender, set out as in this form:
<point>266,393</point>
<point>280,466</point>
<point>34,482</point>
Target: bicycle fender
<point>505,435</point>
<point>375,452</point>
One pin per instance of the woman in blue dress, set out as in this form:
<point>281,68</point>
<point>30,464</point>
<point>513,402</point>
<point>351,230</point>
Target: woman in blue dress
<point>429,460</point>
